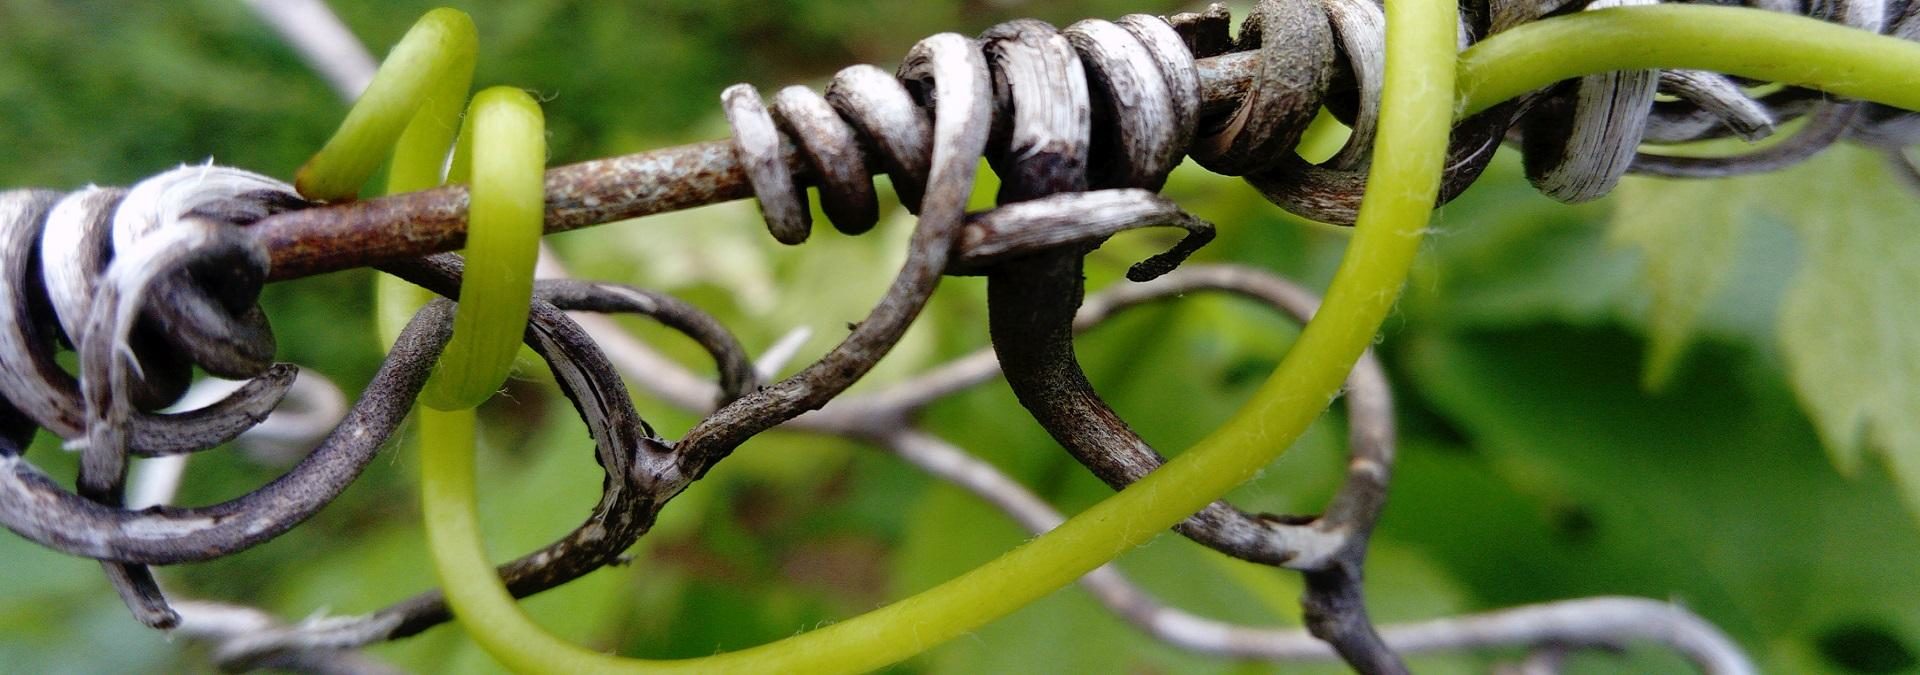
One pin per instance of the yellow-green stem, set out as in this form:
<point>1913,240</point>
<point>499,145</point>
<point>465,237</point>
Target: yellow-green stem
<point>419,162</point>
<point>416,96</point>
<point>1761,45</point>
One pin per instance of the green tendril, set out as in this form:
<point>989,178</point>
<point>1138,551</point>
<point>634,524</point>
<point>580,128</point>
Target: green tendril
<point>412,106</point>
<point>504,216</point>
<point>419,158</point>
<point>424,75</point>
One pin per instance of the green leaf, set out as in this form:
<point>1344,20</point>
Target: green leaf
<point>1689,232</point>
<point>1712,493</point>
<point>1504,255</point>
<point>1848,327</point>
<point>1852,357</point>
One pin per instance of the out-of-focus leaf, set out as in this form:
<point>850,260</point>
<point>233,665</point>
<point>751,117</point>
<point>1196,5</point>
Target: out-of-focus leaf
<point>1848,327</point>
<point>1688,231</point>
<point>1712,493</point>
<point>721,259</point>
<point>1854,361</point>
<point>56,605</point>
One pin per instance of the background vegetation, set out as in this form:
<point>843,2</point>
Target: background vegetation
<point>1550,449</point>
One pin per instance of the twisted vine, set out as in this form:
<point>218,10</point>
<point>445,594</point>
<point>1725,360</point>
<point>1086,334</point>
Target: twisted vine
<point>1083,125</point>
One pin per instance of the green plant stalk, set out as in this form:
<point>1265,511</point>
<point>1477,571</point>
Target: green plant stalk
<point>504,219</point>
<point>1415,120</point>
<point>417,77</point>
<point>485,610</point>
<point>420,155</point>
<point>1757,44</point>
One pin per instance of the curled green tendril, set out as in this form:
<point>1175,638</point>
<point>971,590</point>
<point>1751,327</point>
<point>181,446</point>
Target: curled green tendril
<point>504,215</point>
<point>412,98</point>
<point>412,106</point>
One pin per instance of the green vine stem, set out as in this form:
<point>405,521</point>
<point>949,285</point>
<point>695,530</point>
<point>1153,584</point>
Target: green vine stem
<point>418,161</point>
<point>413,106</point>
<point>1753,43</point>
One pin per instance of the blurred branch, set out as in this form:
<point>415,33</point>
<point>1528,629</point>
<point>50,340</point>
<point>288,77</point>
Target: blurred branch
<point>1599,622</point>
<point>224,625</point>
<point>322,40</point>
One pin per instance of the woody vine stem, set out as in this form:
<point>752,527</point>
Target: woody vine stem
<point>1426,119</point>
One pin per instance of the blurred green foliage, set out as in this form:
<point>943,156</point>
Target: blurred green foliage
<point>1535,463</point>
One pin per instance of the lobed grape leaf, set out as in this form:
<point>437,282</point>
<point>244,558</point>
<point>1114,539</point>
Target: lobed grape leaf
<point>1688,232</point>
<point>1848,325</point>
<point>1844,326</point>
